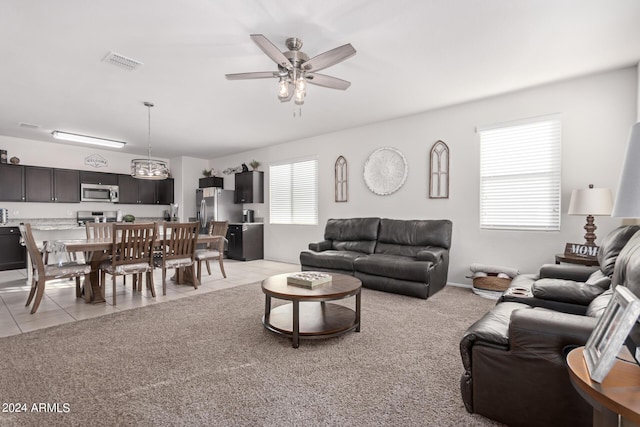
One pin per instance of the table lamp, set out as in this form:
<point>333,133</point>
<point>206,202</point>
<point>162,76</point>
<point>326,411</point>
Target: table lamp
<point>590,201</point>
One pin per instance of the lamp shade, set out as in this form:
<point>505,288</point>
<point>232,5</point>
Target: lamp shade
<point>591,201</point>
<point>628,197</point>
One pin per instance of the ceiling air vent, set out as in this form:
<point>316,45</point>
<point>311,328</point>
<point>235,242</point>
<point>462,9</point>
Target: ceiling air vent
<point>28,125</point>
<point>121,61</point>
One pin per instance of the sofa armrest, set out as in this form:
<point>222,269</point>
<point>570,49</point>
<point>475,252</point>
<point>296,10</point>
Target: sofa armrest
<point>544,334</point>
<point>492,330</point>
<point>434,254</point>
<point>577,273</point>
<point>320,246</point>
<point>565,291</point>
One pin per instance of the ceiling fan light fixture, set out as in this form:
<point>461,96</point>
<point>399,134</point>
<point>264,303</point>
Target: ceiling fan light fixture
<point>301,85</point>
<point>283,88</point>
<point>299,97</point>
<point>150,169</point>
<point>293,66</point>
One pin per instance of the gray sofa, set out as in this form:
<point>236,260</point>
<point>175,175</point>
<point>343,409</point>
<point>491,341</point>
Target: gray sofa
<point>409,257</point>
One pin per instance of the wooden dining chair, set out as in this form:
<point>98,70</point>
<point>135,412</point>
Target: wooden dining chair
<point>131,253</point>
<point>214,249</point>
<point>178,251</point>
<point>99,230</point>
<point>43,273</point>
<point>103,230</point>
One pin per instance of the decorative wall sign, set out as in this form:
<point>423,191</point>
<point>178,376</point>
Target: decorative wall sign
<point>96,161</point>
<point>581,250</point>
<point>439,171</point>
<point>385,171</point>
<point>342,179</point>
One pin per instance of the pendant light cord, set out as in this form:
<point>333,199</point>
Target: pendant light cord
<point>149,105</point>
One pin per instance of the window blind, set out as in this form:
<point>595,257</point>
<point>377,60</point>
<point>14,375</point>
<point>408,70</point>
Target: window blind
<point>293,191</point>
<point>520,175</point>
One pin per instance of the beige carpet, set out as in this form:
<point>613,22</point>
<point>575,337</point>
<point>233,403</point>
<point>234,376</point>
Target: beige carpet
<point>207,360</point>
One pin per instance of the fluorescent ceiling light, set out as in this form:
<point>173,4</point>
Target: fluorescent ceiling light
<point>87,139</point>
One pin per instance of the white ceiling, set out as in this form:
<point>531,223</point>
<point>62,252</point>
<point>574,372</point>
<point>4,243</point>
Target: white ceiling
<point>413,56</point>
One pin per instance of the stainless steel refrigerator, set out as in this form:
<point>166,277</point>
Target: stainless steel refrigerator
<point>216,204</point>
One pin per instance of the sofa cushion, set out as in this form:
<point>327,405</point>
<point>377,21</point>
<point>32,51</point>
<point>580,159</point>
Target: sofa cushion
<point>352,234</point>
<point>408,237</point>
<point>331,260</point>
<point>394,266</point>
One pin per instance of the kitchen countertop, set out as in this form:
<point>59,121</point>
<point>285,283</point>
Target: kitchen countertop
<point>49,224</point>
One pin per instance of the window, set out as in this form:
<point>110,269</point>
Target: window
<point>294,193</point>
<point>520,175</point>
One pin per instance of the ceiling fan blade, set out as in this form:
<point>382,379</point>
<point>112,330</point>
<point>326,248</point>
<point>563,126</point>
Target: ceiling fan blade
<point>271,50</point>
<point>257,75</point>
<point>327,81</point>
<point>329,58</point>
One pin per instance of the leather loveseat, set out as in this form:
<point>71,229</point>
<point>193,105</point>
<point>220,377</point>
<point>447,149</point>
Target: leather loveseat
<point>409,257</point>
<point>514,357</point>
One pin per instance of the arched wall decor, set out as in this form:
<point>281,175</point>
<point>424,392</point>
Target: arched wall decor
<point>439,171</point>
<point>342,179</point>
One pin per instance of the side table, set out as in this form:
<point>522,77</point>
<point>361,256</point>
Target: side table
<point>590,262</point>
<point>619,392</point>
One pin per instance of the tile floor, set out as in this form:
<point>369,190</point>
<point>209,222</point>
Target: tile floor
<point>59,304</point>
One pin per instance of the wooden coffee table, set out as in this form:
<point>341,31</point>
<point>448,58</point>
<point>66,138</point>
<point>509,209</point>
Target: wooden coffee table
<point>309,315</point>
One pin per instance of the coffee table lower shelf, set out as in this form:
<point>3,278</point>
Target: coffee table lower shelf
<point>316,320</point>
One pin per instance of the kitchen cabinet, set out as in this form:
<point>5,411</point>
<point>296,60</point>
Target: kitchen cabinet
<point>13,255</point>
<point>143,191</point>
<point>102,178</point>
<point>245,241</point>
<point>51,185</point>
<point>11,183</point>
<point>164,191</point>
<point>249,187</point>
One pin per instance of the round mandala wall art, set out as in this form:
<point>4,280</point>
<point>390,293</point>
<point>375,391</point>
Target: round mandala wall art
<point>385,171</point>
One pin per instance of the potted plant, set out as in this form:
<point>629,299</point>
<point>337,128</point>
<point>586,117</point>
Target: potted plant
<point>254,165</point>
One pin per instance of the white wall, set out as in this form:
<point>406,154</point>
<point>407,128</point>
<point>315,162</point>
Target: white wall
<point>186,172</point>
<point>597,112</point>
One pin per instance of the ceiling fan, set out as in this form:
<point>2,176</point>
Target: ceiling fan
<point>295,69</point>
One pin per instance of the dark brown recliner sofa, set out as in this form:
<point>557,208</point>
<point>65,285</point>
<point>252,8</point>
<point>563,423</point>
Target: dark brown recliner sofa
<point>409,257</point>
<point>514,356</point>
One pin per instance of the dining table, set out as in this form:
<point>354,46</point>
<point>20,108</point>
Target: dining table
<point>98,250</point>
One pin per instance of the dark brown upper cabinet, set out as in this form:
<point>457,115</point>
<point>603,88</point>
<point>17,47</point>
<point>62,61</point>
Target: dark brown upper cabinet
<point>249,187</point>
<point>51,185</point>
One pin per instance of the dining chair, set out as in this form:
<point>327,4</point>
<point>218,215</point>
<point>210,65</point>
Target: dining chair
<point>214,249</point>
<point>43,273</point>
<point>131,253</point>
<point>178,251</point>
<point>104,230</point>
<point>99,230</point>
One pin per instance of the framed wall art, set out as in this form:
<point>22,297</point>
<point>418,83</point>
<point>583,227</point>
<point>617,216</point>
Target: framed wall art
<point>439,171</point>
<point>385,171</point>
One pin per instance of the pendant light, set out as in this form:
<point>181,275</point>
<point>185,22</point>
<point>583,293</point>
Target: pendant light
<point>149,168</point>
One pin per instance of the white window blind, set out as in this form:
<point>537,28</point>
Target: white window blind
<point>520,175</point>
<point>294,193</point>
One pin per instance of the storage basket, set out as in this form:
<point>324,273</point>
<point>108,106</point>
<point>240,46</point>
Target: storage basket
<point>491,282</point>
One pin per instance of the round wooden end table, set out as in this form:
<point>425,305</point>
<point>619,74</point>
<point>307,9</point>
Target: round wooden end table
<point>618,393</point>
<point>309,315</point>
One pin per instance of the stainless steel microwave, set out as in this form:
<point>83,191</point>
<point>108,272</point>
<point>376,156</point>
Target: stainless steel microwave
<point>99,193</point>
